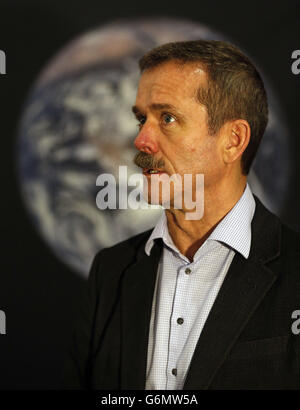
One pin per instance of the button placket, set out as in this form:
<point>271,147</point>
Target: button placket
<point>176,341</point>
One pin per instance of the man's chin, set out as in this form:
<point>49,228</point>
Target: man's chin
<point>151,201</point>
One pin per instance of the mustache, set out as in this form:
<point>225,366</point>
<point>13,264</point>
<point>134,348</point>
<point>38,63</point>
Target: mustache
<point>144,160</point>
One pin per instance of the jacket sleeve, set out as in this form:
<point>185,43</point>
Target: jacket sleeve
<point>76,370</point>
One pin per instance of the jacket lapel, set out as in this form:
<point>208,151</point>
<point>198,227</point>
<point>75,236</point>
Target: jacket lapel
<point>246,283</point>
<point>243,289</point>
<point>136,303</point>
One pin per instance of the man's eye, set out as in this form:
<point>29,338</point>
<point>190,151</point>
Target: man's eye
<point>168,118</point>
<point>141,121</point>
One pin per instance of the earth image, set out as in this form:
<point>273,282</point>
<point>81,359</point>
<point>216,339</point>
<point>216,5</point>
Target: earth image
<point>77,124</point>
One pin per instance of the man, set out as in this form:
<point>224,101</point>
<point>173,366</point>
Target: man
<point>195,304</point>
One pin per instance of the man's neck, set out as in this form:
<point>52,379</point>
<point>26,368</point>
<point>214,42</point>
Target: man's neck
<point>189,235</point>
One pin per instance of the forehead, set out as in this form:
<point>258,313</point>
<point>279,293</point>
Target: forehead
<point>170,83</point>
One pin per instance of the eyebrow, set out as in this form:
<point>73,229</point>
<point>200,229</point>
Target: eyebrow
<point>155,107</point>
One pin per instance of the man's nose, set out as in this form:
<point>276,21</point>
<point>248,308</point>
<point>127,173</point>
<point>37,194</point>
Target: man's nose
<point>146,143</point>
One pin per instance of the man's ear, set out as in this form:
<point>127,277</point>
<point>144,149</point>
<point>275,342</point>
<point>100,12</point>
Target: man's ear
<point>236,139</point>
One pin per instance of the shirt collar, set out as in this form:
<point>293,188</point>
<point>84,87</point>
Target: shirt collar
<point>234,230</point>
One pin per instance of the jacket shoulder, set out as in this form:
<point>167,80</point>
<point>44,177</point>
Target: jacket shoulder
<point>115,259</point>
<point>291,241</point>
<point>132,244</point>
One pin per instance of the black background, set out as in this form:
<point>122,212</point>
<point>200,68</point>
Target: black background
<point>37,292</point>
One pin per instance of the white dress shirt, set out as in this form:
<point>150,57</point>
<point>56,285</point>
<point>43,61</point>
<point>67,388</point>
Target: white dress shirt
<point>185,292</point>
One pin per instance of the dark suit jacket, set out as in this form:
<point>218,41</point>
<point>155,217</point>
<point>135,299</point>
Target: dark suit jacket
<point>246,343</point>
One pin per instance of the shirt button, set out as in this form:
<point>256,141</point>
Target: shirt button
<point>188,271</point>
<point>180,321</point>
<point>174,372</point>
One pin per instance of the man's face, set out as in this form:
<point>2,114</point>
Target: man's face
<point>173,124</point>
